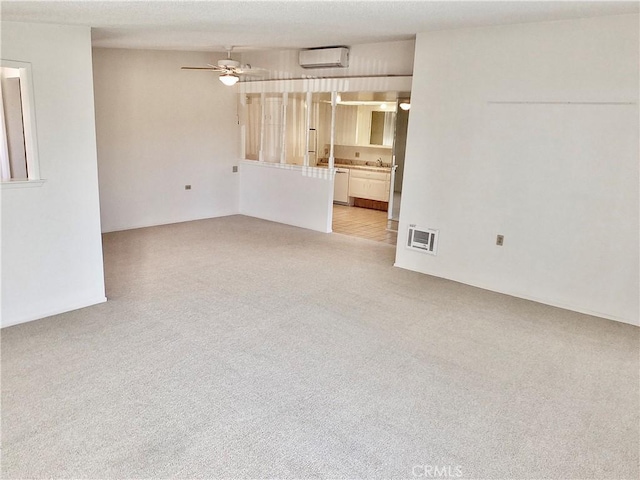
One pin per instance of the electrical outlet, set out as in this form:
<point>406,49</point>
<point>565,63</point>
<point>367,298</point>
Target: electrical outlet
<point>500,240</point>
<point>187,187</point>
<point>234,169</point>
<point>357,154</point>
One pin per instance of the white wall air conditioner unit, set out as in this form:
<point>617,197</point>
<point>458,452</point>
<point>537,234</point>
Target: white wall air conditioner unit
<point>423,239</point>
<point>330,57</point>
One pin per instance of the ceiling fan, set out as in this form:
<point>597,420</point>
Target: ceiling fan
<point>230,70</point>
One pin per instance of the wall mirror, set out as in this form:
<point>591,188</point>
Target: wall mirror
<point>382,128</point>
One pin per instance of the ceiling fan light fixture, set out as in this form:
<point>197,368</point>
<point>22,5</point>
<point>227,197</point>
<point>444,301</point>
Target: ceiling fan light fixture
<point>229,79</point>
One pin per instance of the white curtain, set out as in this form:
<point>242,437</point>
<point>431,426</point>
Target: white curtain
<point>389,131</point>
<point>296,133</point>
<point>252,135</point>
<point>295,130</point>
<point>346,121</point>
<point>272,147</point>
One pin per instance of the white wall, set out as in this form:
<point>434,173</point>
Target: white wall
<point>51,244</point>
<point>160,128</point>
<point>559,181</point>
<point>365,153</point>
<point>290,194</point>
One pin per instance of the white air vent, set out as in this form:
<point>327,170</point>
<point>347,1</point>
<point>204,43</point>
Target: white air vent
<point>423,239</point>
<point>324,57</point>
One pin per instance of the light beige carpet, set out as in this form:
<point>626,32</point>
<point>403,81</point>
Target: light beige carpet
<point>236,347</point>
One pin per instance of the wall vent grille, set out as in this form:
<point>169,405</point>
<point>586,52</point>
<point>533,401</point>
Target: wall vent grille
<point>424,240</point>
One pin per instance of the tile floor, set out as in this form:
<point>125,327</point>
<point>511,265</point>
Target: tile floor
<point>364,223</point>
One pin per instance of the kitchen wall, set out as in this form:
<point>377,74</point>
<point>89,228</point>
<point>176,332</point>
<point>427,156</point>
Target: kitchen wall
<point>51,243</point>
<point>365,153</point>
<point>529,131</point>
<point>160,128</point>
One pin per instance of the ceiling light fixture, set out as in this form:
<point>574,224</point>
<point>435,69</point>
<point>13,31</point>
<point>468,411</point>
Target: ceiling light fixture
<point>405,106</point>
<point>229,79</point>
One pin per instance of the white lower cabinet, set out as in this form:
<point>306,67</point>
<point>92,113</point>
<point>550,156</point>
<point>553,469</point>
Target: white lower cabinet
<point>379,190</point>
<point>358,187</point>
<point>369,185</point>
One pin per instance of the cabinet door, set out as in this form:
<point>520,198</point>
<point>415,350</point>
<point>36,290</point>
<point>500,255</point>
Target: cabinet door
<point>358,187</point>
<point>369,175</point>
<point>378,190</point>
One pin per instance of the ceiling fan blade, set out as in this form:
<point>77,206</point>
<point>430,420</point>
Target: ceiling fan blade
<point>231,67</point>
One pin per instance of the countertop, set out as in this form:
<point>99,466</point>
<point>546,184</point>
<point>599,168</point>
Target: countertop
<point>357,167</point>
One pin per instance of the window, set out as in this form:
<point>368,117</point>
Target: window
<point>292,128</point>
<point>18,145</point>
<point>304,128</point>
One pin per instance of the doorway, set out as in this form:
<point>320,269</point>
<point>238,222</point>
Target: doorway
<point>399,149</point>
<point>370,146</point>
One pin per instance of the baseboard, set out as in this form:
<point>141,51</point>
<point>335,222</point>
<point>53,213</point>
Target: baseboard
<point>55,311</point>
<point>285,221</point>
<point>551,303</point>
<point>123,228</point>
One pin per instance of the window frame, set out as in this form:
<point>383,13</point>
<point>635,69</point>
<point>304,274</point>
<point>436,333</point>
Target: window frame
<point>29,124</point>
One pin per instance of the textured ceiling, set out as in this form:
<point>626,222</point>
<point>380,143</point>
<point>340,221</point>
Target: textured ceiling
<point>257,25</point>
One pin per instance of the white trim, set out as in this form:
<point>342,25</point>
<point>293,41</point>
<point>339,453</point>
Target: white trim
<point>28,116</point>
<point>283,133</point>
<point>5,169</point>
<point>29,120</point>
<point>55,311</point>
<point>261,150</point>
<point>334,101</point>
<point>351,84</point>
<point>307,123</point>
<point>242,122</point>
<point>551,303</point>
<point>10,184</point>
<point>124,228</point>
